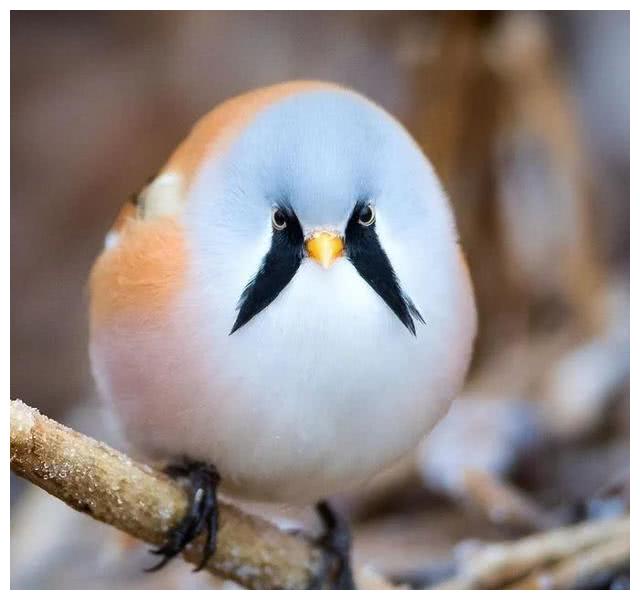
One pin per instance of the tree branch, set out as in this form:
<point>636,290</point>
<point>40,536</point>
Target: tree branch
<point>106,484</point>
<point>558,559</point>
<point>580,569</point>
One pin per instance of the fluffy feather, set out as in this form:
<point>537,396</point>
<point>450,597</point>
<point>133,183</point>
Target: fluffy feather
<point>325,386</point>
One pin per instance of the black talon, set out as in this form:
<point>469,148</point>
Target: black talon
<point>202,514</point>
<point>210,520</point>
<point>336,542</point>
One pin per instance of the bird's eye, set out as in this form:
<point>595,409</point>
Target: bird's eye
<point>367,216</point>
<point>278,219</point>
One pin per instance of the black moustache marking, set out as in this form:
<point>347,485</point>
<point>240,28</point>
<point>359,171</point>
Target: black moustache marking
<point>370,260</point>
<point>278,267</point>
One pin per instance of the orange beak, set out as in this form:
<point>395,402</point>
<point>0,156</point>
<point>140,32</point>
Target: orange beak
<point>325,248</point>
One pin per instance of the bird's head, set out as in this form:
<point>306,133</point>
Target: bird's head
<point>318,185</point>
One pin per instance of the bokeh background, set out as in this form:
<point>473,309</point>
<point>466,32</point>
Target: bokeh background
<point>526,119</point>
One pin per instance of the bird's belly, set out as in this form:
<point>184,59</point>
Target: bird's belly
<point>289,430</point>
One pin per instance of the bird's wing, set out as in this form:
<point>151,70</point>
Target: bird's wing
<point>141,271</point>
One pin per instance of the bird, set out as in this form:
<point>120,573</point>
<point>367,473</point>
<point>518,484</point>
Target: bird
<point>285,309</point>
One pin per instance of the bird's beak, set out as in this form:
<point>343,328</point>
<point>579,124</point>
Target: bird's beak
<point>325,247</point>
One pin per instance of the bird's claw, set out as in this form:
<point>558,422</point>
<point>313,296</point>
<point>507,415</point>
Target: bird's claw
<point>336,545</point>
<point>202,514</point>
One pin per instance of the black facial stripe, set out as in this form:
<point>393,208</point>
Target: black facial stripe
<point>370,260</point>
<point>278,268</point>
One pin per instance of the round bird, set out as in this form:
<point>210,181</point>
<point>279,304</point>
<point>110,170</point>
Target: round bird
<point>286,304</point>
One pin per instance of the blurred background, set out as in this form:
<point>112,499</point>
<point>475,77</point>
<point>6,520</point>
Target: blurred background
<point>525,117</point>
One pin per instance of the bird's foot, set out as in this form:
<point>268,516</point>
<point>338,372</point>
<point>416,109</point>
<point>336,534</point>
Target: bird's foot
<point>202,514</point>
<point>336,544</point>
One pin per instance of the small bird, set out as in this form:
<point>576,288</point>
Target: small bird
<point>285,309</point>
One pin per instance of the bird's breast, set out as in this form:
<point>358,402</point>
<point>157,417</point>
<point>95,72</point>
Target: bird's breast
<point>317,392</point>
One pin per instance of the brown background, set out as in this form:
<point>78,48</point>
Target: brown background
<point>526,119</point>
